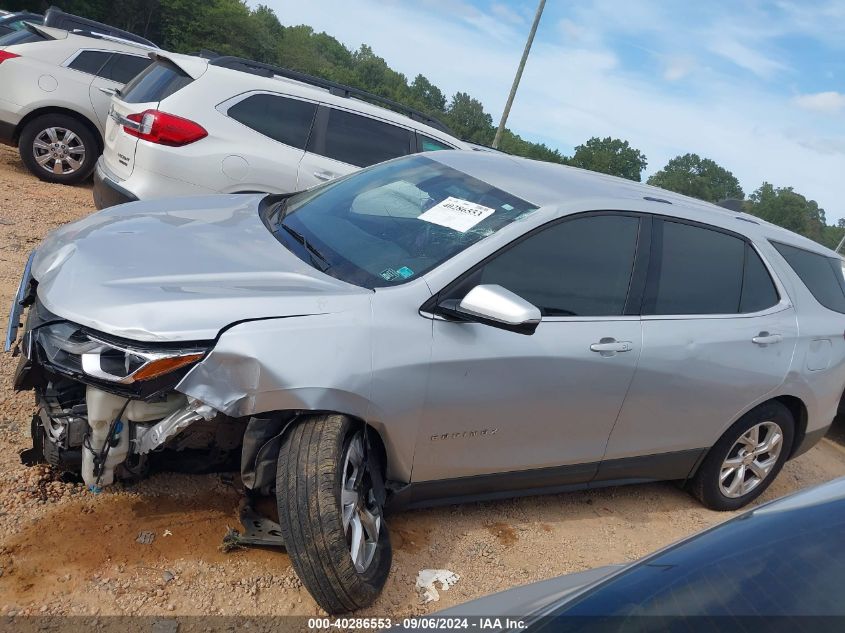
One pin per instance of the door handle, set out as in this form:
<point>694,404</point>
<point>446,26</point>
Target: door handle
<point>323,175</point>
<point>610,346</point>
<point>108,91</point>
<point>765,338</point>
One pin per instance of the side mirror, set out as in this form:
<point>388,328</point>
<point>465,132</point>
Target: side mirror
<point>496,306</point>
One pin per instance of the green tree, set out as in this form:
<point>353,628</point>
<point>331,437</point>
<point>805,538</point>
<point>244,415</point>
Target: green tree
<point>698,177</point>
<point>427,96</point>
<point>787,208</point>
<point>466,116</point>
<point>610,156</point>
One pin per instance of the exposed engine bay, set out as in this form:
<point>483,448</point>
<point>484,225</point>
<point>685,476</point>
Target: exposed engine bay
<point>108,411</point>
<point>104,437</point>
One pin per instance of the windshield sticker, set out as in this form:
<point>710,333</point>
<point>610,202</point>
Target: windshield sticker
<point>405,272</point>
<point>457,214</point>
<point>388,274</point>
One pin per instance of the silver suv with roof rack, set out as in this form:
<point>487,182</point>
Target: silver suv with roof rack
<point>57,87</point>
<point>192,126</point>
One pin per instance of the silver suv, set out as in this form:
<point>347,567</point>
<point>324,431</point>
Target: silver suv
<point>441,327</point>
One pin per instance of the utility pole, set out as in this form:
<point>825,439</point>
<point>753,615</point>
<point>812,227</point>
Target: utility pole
<point>519,70</point>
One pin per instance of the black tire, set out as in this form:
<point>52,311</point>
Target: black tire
<point>705,484</point>
<point>309,478</point>
<point>35,131</point>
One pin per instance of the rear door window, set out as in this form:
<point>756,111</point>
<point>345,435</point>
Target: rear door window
<point>822,275</point>
<point>158,81</point>
<point>361,141</point>
<point>123,68</point>
<point>90,61</point>
<point>285,120</point>
<point>697,270</point>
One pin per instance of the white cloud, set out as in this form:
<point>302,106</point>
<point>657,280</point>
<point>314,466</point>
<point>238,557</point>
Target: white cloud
<point>825,102</point>
<point>746,57</point>
<point>678,67</point>
<point>577,84</point>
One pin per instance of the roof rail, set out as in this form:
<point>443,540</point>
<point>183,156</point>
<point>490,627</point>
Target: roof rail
<point>340,90</point>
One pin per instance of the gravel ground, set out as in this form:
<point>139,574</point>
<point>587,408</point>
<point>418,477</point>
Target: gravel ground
<point>65,551</point>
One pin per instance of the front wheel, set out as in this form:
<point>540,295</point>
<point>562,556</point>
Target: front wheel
<point>332,525</point>
<point>746,459</point>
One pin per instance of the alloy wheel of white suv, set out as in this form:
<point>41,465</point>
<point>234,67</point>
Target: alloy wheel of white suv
<point>58,148</point>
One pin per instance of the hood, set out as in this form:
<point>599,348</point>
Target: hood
<point>180,269</point>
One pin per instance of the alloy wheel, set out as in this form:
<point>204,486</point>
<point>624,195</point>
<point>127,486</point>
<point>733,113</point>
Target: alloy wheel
<point>361,514</point>
<point>58,150</point>
<point>751,459</point>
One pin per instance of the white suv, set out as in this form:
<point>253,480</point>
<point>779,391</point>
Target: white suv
<point>193,126</point>
<point>55,94</point>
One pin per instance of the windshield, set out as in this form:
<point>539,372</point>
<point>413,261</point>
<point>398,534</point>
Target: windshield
<point>392,222</point>
<point>774,562</point>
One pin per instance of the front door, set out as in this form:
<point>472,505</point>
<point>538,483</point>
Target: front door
<point>542,404</point>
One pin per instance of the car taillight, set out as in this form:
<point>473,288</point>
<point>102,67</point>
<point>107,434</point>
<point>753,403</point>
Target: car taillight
<point>165,129</point>
<point>4,55</point>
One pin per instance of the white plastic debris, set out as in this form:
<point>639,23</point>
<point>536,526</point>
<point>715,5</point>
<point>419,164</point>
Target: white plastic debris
<point>426,579</point>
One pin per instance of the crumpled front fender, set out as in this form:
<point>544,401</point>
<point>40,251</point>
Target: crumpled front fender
<point>319,362</point>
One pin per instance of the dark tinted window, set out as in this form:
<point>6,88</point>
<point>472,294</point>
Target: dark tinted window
<point>285,120</point>
<point>157,82</point>
<point>24,36</point>
<point>758,289</point>
<point>698,271</point>
<point>360,141</point>
<point>774,562</point>
<point>90,61</point>
<point>579,267</point>
<point>428,144</point>
<point>122,68</point>
<point>822,275</point>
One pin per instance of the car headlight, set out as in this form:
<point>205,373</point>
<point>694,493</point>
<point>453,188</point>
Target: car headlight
<point>72,348</point>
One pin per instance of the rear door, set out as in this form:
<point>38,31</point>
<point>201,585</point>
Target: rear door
<point>119,69</point>
<point>158,81</point>
<point>718,335</point>
<point>342,142</point>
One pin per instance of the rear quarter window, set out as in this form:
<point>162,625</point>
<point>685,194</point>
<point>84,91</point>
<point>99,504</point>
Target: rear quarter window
<point>285,120</point>
<point>123,68</point>
<point>90,62</point>
<point>822,275</point>
<point>158,81</point>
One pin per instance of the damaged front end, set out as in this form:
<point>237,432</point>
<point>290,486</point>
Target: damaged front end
<point>107,407</point>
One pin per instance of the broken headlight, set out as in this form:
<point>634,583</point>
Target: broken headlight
<point>73,349</point>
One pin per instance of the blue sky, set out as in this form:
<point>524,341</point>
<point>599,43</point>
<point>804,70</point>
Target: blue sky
<point>757,86</point>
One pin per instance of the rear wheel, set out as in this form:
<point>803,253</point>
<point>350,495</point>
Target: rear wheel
<point>58,148</point>
<point>331,523</point>
<point>746,459</point>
